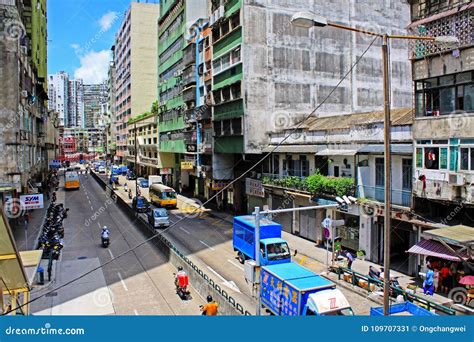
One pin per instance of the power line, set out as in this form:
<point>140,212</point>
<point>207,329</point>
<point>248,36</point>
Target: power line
<point>220,191</point>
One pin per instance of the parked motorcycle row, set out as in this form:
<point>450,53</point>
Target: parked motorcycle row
<point>52,235</point>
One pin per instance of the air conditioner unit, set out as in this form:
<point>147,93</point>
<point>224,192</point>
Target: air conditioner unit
<point>24,94</point>
<point>456,180</point>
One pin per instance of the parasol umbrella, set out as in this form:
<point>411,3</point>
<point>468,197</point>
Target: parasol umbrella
<point>467,280</point>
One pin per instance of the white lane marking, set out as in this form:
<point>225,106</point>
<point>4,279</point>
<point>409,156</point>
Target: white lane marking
<point>217,274</point>
<point>135,312</point>
<point>184,230</point>
<point>98,223</point>
<point>230,284</point>
<point>236,265</point>
<point>121,280</point>
<point>89,201</point>
<point>205,244</point>
<point>110,252</point>
<point>92,208</point>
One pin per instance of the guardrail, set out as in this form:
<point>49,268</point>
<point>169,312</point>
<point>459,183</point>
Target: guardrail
<point>356,276</point>
<point>230,304</point>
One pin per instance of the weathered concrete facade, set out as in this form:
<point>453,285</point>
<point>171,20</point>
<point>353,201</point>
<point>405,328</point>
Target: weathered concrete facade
<point>289,71</point>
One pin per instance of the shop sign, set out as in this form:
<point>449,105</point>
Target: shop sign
<point>166,171</point>
<point>34,201</point>
<point>254,187</point>
<point>218,185</point>
<point>187,165</point>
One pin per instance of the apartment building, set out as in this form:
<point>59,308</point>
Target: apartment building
<point>58,95</point>
<point>135,69</point>
<point>95,105</point>
<point>75,103</point>
<point>24,118</point>
<point>443,128</point>
<point>110,124</point>
<point>177,24</point>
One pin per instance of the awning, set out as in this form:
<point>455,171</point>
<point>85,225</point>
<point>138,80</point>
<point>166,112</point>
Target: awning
<point>435,249</point>
<point>330,152</point>
<point>380,149</point>
<point>294,148</point>
<point>458,235</point>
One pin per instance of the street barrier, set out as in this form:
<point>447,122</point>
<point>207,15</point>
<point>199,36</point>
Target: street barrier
<point>199,279</point>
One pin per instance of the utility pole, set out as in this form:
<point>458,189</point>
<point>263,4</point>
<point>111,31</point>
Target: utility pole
<point>136,160</point>
<point>257,257</point>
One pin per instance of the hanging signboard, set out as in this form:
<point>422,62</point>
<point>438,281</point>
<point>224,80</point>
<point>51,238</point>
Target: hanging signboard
<point>254,187</point>
<point>34,201</point>
<point>187,165</point>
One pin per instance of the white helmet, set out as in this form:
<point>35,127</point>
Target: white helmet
<point>104,228</point>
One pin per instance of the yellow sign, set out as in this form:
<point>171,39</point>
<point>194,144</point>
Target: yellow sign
<point>187,165</point>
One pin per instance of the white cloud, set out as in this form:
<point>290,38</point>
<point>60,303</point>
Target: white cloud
<point>107,20</point>
<point>94,67</point>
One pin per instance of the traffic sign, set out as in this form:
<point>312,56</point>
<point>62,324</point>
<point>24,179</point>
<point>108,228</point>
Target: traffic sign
<point>327,233</point>
<point>327,223</point>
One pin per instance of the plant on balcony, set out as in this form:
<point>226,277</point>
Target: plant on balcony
<point>315,184</point>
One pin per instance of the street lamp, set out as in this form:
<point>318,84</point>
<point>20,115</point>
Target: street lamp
<point>308,20</point>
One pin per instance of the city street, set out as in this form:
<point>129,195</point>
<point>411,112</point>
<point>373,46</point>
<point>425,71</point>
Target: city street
<point>207,240</point>
<point>138,283</point>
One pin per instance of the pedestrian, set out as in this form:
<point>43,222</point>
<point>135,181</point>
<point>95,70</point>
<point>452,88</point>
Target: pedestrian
<point>350,259</point>
<point>210,309</point>
<point>428,284</point>
<point>436,281</point>
<point>453,272</point>
<point>444,278</point>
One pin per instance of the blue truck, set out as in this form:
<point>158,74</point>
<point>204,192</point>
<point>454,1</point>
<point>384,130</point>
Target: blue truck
<point>402,309</point>
<point>273,249</point>
<point>291,290</point>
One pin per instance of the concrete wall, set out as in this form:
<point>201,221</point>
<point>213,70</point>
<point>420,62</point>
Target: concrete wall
<point>289,71</point>
<point>144,54</point>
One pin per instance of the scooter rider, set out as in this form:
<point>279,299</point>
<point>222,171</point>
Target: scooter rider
<point>180,275</point>
<point>105,233</point>
<point>210,309</point>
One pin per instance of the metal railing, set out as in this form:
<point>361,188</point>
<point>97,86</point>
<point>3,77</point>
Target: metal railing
<point>399,197</point>
<point>422,301</point>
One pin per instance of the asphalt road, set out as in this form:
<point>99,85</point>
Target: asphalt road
<point>208,242</point>
<point>140,282</point>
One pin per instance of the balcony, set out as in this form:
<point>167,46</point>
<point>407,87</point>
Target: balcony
<point>148,160</point>
<point>189,75</point>
<point>189,94</point>
<point>189,54</point>
<point>377,193</point>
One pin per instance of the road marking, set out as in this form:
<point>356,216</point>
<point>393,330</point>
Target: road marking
<point>302,260</point>
<point>217,274</point>
<point>89,201</point>
<point>236,265</point>
<point>123,283</point>
<point>184,230</point>
<point>229,284</point>
<point>205,244</point>
<point>135,312</point>
<point>110,252</point>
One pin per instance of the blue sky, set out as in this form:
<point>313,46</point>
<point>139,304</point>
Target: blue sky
<point>80,35</point>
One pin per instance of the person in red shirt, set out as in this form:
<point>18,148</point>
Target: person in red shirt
<point>444,278</point>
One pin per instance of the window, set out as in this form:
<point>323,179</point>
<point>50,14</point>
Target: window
<point>379,172</point>
<point>276,164</point>
<point>406,174</point>
<point>304,166</point>
<point>467,159</point>
<point>419,157</point>
<point>432,158</point>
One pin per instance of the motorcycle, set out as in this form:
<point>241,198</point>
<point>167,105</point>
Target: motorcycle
<point>181,282</point>
<point>105,242</point>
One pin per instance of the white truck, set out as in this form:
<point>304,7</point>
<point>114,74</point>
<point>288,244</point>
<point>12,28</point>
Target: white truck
<point>154,180</point>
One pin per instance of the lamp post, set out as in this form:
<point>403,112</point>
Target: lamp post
<point>308,20</point>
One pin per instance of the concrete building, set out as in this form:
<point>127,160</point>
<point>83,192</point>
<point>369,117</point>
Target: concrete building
<point>267,74</point>
<point>24,118</point>
<point>95,102</point>
<point>176,26</point>
<point>135,68</point>
<point>110,124</point>
<point>75,101</point>
<point>444,124</point>
<point>58,95</point>
<point>344,147</point>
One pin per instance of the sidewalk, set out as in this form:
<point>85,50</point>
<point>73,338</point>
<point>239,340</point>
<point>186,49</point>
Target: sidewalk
<point>308,250</point>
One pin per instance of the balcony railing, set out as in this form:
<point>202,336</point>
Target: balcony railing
<point>399,197</point>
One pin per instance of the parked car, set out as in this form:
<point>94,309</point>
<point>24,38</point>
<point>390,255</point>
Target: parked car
<point>142,182</point>
<point>140,204</point>
<point>158,217</point>
<point>101,169</point>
